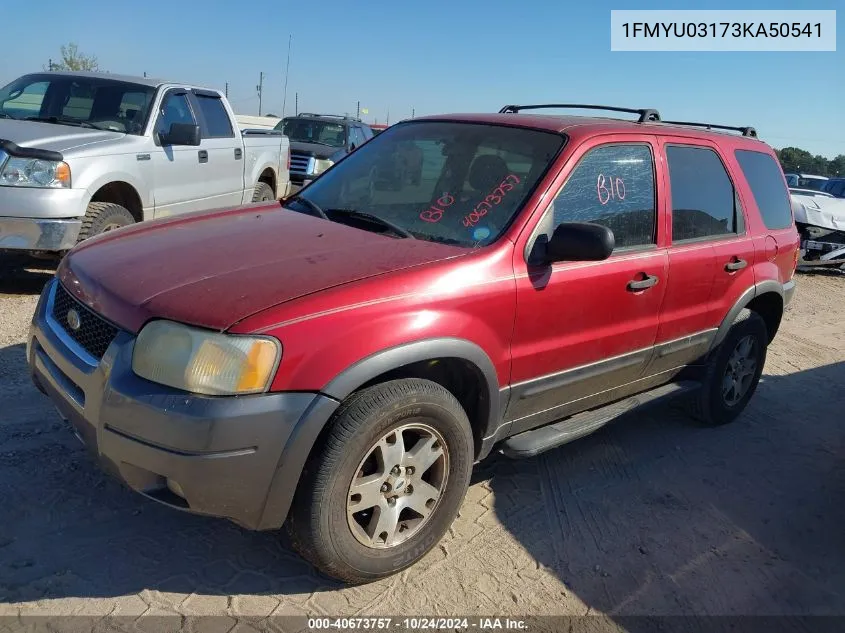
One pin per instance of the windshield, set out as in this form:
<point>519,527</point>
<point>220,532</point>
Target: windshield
<point>458,183</point>
<point>314,131</point>
<point>97,102</point>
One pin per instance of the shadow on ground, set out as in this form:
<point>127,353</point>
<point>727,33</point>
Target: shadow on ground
<point>652,515</point>
<point>22,275</point>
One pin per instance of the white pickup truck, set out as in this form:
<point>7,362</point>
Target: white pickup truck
<point>83,153</point>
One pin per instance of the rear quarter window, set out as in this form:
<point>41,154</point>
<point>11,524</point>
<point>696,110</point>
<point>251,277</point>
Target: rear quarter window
<point>764,177</point>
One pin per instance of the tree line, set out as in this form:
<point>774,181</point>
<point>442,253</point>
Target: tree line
<point>796,160</point>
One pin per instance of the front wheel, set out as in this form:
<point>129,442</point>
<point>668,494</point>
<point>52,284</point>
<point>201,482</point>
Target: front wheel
<point>262,193</point>
<point>103,217</point>
<point>387,483</point>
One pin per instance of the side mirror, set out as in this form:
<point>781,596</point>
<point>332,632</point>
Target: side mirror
<point>181,134</point>
<point>578,242</point>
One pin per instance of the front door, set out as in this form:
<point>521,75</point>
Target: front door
<point>584,329</point>
<point>177,173</point>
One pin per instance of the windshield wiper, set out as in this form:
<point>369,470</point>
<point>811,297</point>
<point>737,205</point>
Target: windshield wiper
<point>369,217</point>
<point>63,121</point>
<point>310,140</point>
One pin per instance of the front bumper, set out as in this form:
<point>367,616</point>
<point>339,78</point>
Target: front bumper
<point>220,456</point>
<point>36,234</point>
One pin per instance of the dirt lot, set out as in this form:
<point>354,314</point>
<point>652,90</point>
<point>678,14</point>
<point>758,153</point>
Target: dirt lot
<point>652,515</point>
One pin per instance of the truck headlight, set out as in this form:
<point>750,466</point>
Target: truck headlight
<point>35,172</point>
<point>321,165</point>
<point>205,362</point>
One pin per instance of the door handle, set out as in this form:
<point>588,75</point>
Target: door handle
<point>641,284</point>
<point>203,156</point>
<point>736,264</point>
<point>238,153</point>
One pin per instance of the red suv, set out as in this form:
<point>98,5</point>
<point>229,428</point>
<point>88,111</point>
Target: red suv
<point>338,362</point>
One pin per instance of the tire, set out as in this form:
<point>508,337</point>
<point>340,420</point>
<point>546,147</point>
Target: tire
<point>101,217</point>
<point>328,525</point>
<point>712,405</point>
<point>263,193</point>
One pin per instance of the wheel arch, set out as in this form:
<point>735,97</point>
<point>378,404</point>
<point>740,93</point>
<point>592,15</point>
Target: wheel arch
<point>122,193</point>
<point>766,298</point>
<point>403,361</point>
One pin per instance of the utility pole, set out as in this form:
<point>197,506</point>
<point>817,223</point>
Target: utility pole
<point>296,105</point>
<point>50,64</point>
<point>227,89</point>
<point>287,69</point>
<point>388,118</point>
<point>358,112</point>
<point>258,88</point>
<point>412,113</point>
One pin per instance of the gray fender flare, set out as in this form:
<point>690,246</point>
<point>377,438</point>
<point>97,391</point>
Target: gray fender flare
<point>312,422</point>
<point>756,290</point>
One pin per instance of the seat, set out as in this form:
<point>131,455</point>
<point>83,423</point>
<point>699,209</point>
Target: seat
<point>487,172</point>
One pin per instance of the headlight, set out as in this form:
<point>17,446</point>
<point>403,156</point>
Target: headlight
<point>35,172</point>
<point>204,362</point>
<point>321,165</point>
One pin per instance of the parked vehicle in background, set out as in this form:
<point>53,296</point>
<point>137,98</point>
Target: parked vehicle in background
<point>353,356</point>
<point>820,219</point>
<point>83,153</point>
<point>805,181</point>
<point>378,128</point>
<point>318,141</point>
<point>246,121</point>
<point>835,187</point>
<point>813,193</point>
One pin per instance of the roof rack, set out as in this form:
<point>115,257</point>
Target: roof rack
<point>646,114</point>
<point>329,116</point>
<point>746,131</point>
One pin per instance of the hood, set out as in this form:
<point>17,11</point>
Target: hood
<point>315,149</point>
<point>215,269</point>
<point>52,136</point>
<point>821,211</point>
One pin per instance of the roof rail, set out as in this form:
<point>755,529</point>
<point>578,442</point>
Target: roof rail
<point>329,116</point>
<point>646,114</point>
<point>746,131</point>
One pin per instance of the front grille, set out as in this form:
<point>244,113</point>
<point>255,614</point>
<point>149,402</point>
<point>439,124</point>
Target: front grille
<point>94,334</point>
<point>299,163</point>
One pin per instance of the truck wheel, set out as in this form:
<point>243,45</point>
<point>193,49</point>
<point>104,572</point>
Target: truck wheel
<point>733,372</point>
<point>387,482</point>
<point>263,192</point>
<point>101,217</point>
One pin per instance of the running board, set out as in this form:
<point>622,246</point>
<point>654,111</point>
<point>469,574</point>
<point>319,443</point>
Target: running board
<point>536,441</point>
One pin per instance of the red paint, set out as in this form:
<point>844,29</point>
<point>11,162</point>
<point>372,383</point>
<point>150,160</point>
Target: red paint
<point>334,295</point>
<point>616,190</point>
<point>435,212</point>
<point>494,198</point>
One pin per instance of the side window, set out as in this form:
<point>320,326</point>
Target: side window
<point>763,176</point>
<point>27,102</point>
<point>215,120</point>
<point>612,185</point>
<point>174,109</point>
<point>357,136</point>
<point>703,198</point>
<point>368,133</point>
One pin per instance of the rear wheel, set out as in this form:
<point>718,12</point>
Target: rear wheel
<point>103,217</point>
<point>733,372</point>
<point>263,193</point>
<point>387,483</point>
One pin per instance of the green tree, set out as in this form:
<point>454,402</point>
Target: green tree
<point>836,167</point>
<point>73,59</point>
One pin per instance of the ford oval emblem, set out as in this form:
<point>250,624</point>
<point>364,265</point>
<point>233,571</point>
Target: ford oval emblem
<point>73,320</point>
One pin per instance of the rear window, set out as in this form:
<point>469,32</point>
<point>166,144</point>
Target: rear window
<point>764,177</point>
<point>703,199</point>
<point>215,118</point>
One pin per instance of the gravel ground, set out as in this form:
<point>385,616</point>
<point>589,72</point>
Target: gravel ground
<point>650,516</point>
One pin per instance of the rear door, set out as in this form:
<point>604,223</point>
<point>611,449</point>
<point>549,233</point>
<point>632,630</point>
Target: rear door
<point>222,165</point>
<point>582,329</point>
<point>711,252</point>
